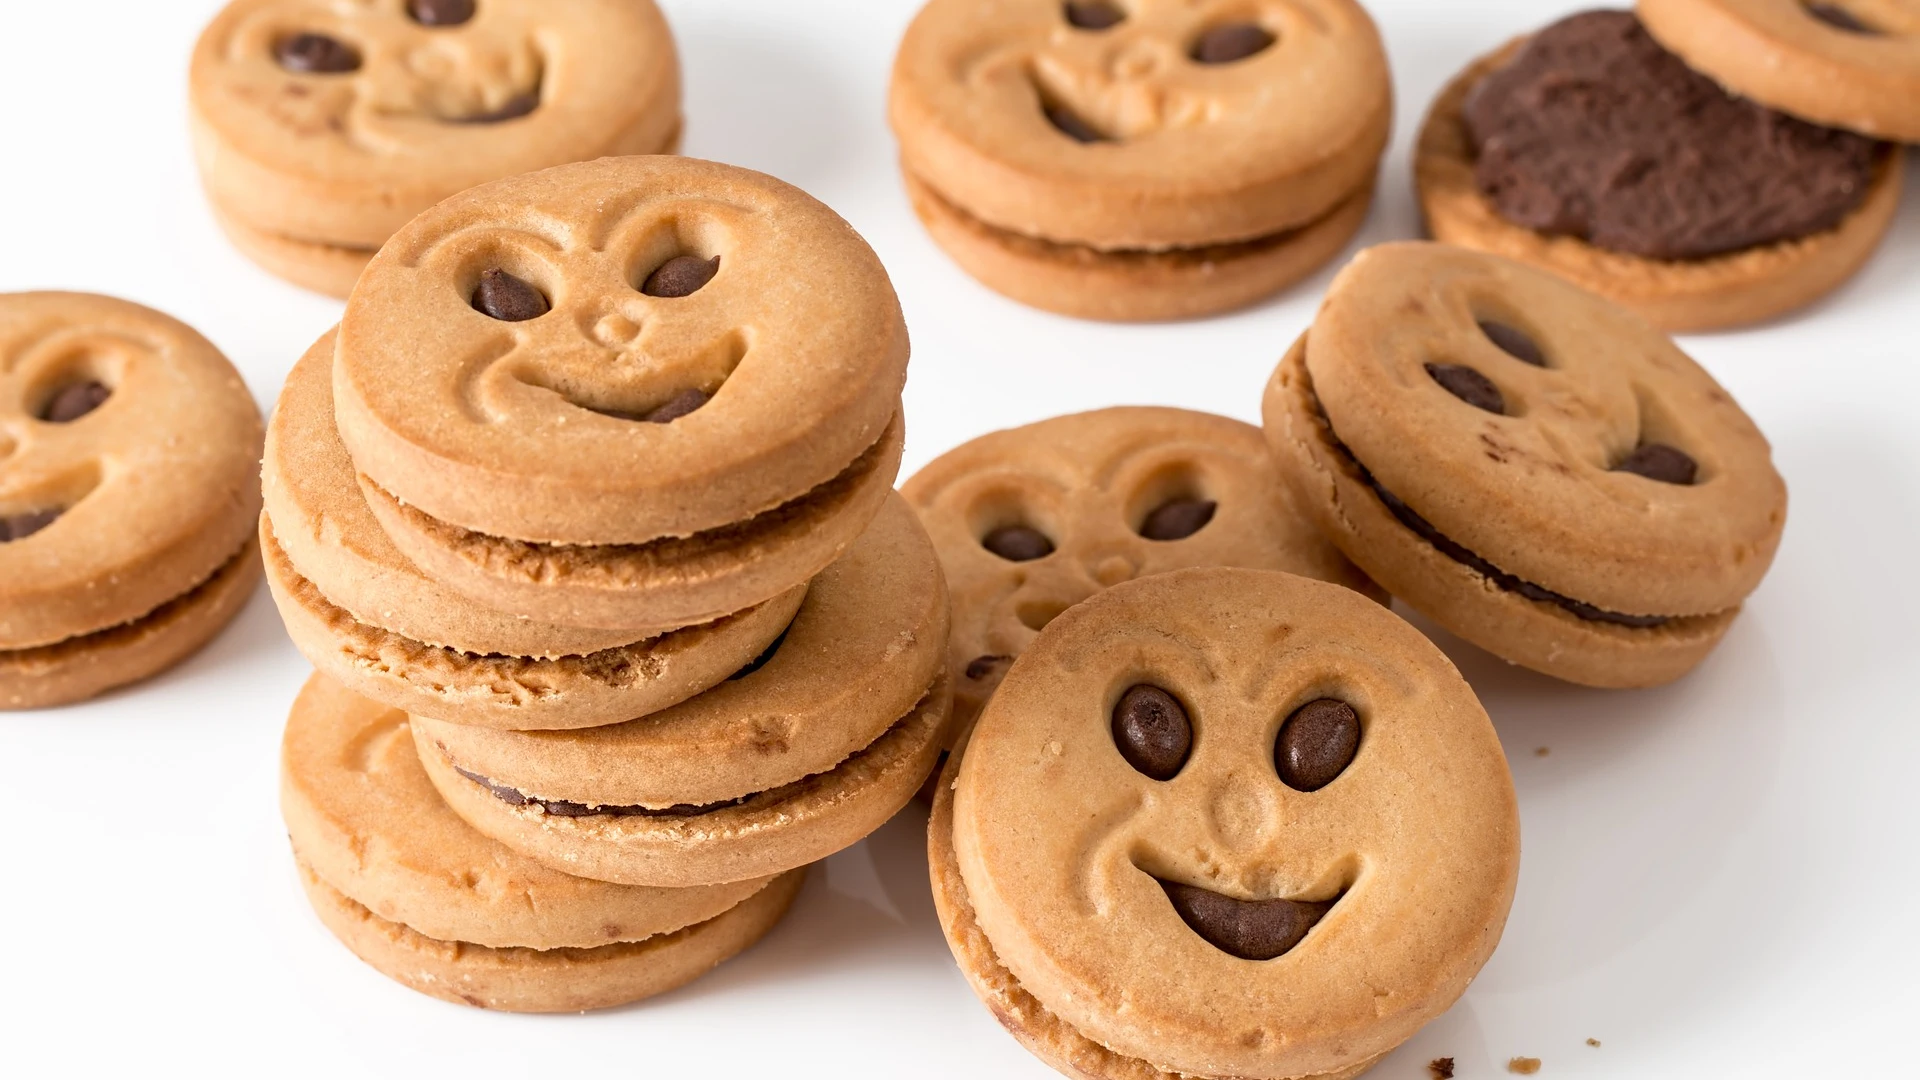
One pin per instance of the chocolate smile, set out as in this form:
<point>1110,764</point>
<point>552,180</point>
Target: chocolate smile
<point>1248,929</point>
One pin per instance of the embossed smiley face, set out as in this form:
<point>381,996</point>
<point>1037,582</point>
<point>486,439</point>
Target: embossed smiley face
<point>1261,810</point>
<point>1032,521</point>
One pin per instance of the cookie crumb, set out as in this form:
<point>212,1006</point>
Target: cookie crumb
<point>1593,1042</point>
<point>1543,751</point>
<point>1441,1068</point>
<point>1524,1066</point>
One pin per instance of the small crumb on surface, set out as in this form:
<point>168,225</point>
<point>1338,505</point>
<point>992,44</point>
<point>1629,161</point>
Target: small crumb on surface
<point>1593,1042</point>
<point>1543,751</point>
<point>1441,1068</point>
<point>1524,1066</point>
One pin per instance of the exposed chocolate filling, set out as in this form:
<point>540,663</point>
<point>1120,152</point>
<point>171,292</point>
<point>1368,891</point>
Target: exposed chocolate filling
<point>1459,554</point>
<point>563,808</point>
<point>1595,131</point>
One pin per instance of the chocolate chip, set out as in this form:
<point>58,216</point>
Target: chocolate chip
<point>316,54</point>
<point>1658,461</point>
<point>982,666</point>
<point>1514,343</point>
<point>1094,14</point>
<point>1234,41</point>
<point>1071,125</point>
<point>440,12</point>
<point>1316,744</point>
<point>1469,386</point>
<point>502,296</point>
<point>1018,543</point>
<point>1178,519</point>
<point>1248,929</point>
<point>1152,731</point>
<point>513,108</point>
<point>679,405</point>
<point>74,401</point>
<point>1840,18</point>
<point>21,526</point>
<point>680,276</point>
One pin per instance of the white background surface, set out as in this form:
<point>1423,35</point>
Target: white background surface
<point>1719,877</point>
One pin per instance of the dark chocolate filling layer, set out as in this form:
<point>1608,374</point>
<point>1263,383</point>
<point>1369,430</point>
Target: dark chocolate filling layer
<point>1594,130</point>
<point>1452,550</point>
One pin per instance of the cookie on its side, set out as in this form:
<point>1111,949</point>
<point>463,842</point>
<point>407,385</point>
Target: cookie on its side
<point>1533,468</point>
<point>433,904</point>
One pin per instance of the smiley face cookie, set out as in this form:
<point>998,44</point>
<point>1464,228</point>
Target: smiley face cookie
<point>632,393</point>
<point>1225,823</point>
<point>1852,64</point>
<point>426,900</point>
<point>128,448</point>
<point>1141,159</point>
<point>1652,186</point>
<point>1533,468</point>
<point>321,128</point>
<point>798,756</point>
<point>1032,521</point>
<point>366,615</point>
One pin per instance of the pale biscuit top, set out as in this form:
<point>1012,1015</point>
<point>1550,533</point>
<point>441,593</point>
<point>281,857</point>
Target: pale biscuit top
<point>129,460</point>
<point>1076,848</point>
<point>1116,494</point>
<point>1524,453</point>
<point>340,121</point>
<point>1170,151</point>
<point>532,429</point>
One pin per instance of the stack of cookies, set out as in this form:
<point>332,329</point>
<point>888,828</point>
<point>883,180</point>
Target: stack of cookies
<point>1141,159</point>
<point>320,129</point>
<point>128,446</point>
<point>587,505</point>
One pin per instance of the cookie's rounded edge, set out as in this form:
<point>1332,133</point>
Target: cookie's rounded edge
<point>770,832</point>
<point>552,980</point>
<point>1134,286</point>
<point>1736,289</point>
<point>327,269</point>
<point>79,668</point>
<point>1533,634</point>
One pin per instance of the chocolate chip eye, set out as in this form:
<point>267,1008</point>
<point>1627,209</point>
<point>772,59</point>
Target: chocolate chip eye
<point>1018,543</point>
<point>440,12</point>
<point>502,296</point>
<point>1231,42</point>
<point>1178,519</point>
<point>1151,730</point>
<point>681,276</point>
<point>1316,744</point>
<point>20,526</point>
<point>74,401</point>
<point>1514,343</point>
<point>1658,461</point>
<point>1094,14</point>
<point>1840,18</point>
<point>982,666</point>
<point>1469,386</point>
<point>316,54</point>
<point>1071,125</point>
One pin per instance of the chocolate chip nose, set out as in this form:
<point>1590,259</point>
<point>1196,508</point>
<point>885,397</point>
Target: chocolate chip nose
<point>1248,929</point>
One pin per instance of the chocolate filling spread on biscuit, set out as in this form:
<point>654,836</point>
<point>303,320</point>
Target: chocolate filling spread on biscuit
<point>1595,131</point>
<point>563,808</point>
<point>1452,550</point>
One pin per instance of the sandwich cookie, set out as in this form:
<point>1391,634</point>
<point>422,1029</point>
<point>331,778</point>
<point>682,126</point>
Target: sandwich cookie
<point>1225,823</point>
<point>321,129</point>
<point>1533,468</point>
<point>1031,521</point>
<point>128,448</point>
<point>796,758</point>
<point>624,394</point>
<point>1153,159</point>
<point>366,615</point>
<point>1651,185</point>
<point>426,900</point>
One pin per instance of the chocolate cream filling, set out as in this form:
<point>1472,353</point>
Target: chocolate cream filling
<point>1595,131</point>
<point>1458,553</point>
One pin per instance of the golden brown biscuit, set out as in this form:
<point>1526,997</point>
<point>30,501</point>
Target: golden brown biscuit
<point>329,269</point>
<point>1226,823</point>
<point>1535,469</point>
<point>1851,64</point>
<point>1677,295</point>
<point>1031,521</point>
